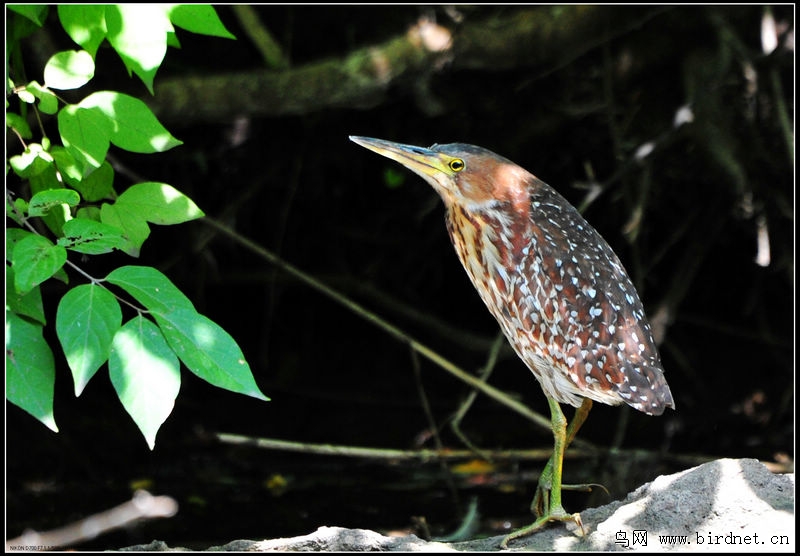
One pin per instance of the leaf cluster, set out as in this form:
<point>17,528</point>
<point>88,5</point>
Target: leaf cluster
<point>67,203</point>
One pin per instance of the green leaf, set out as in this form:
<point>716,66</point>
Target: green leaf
<point>146,375</point>
<point>71,171</point>
<point>85,133</point>
<point>44,201</point>
<point>47,180</point>
<point>30,369</point>
<point>27,305</point>
<point>133,125</point>
<point>68,70</point>
<point>91,237</point>
<point>35,259</point>
<point>172,40</point>
<point>159,203</point>
<point>35,12</point>
<point>96,186</point>
<point>19,124</point>
<point>48,102</point>
<point>138,32</point>
<point>150,288</point>
<point>199,18</point>
<point>88,316</point>
<point>17,210</point>
<point>85,24</point>
<point>33,161</point>
<point>13,236</point>
<point>62,276</point>
<point>131,223</point>
<point>208,351</point>
<point>19,27</point>
<point>92,213</point>
<point>26,96</point>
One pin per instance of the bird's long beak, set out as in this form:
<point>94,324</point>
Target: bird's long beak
<point>425,162</point>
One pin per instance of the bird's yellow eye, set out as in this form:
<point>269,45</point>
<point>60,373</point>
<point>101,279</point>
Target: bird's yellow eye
<point>456,165</point>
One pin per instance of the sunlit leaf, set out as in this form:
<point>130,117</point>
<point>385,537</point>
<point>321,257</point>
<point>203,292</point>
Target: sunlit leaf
<point>208,351</point>
<point>19,124</point>
<point>133,226</point>
<point>85,133</point>
<point>48,102</point>
<point>199,18</point>
<point>97,186</point>
<point>91,237</point>
<point>28,304</point>
<point>138,32</point>
<point>146,375</point>
<point>35,259</point>
<point>68,70</point>
<point>132,125</point>
<point>150,287</point>
<point>44,201</point>
<point>33,161</point>
<point>71,171</point>
<point>159,203</point>
<point>88,316</point>
<point>30,369</point>
<point>85,24</point>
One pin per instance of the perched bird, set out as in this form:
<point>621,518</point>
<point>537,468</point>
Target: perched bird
<point>558,291</point>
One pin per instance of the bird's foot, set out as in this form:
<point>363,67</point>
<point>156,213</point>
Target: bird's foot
<point>546,512</point>
<point>587,487</point>
<point>542,498</point>
<point>555,514</point>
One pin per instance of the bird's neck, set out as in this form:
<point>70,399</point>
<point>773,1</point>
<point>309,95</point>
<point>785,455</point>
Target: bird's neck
<point>487,243</point>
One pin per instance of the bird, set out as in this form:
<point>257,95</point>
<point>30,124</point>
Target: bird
<point>556,288</point>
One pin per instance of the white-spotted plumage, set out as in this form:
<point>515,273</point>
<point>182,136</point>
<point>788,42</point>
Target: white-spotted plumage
<point>558,291</point>
<point>560,295</point>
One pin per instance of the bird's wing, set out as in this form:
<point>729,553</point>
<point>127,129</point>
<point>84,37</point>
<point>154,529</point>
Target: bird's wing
<point>589,314</point>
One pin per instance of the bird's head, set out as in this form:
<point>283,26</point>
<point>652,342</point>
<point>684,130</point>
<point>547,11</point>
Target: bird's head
<point>465,176</point>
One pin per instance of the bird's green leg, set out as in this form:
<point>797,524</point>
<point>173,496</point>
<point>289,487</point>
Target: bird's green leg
<point>541,499</point>
<point>547,502</point>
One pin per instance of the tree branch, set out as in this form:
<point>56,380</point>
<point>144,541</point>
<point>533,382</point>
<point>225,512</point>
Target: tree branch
<point>542,38</point>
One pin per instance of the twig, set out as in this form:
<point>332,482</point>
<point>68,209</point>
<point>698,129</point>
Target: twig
<point>392,330</point>
<point>466,340</point>
<point>455,425</point>
<point>448,476</point>
<point>425,455</point>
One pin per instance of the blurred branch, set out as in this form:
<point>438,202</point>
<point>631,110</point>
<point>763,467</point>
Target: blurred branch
<point>541,38</point>
<point>461,412</point>
<point>143,505</point>
<point>262,39</point>
<point>782,112</point>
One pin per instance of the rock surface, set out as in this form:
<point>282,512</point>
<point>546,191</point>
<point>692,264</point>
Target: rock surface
<point>725,505</point>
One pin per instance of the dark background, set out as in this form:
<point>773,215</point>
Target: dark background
<point>297,186</point>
